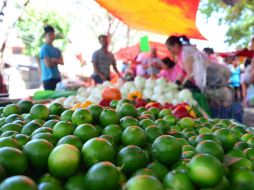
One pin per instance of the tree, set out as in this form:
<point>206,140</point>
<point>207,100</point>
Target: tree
<point>239,17</point>
<point>30,29</point>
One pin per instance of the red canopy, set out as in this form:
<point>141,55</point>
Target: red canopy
<point>130,53</point>
<point>167,17</point>
<point>240,53</point>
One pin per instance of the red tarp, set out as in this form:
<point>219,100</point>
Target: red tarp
<point>129,53</point>
<point>240,53</point>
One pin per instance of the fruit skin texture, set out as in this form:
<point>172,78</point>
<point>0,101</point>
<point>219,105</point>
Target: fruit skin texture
<point>109,116</point>
<point>97,150</point>
<point>37,152</point>
<point>131,158</point>
<point>81,116</point>
<point>103,175</point>
<point>212,148</point>
<point>178,180</point>
<point>13,160</point>
<point>134,135</point>
<point>227,138</point>
<point>166,149</point>
<point>18,182</point>
<point>144,182</point>
<point>205,170</point>
<point>64,161</point>
<point>39,111</point>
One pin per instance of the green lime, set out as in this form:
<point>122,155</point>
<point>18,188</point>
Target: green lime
<point>9,134</point>
<point>39,111</point>
<point>18,182</point>
<point>2,173</point>
<point>110,139</point>
<point>22,139</point>
<point>96,112</point>
<point>81,116</point>
<point>55,109</point>
<point>96,150</point>
<point>152,132</point>
<point>186,122</point>
<point>113,103</point>
<point>133,135</point>
<point>145,171</point>
<point>66,115</point>
<point>226,137</point>
<point>11,118</point>
<point>144,123</point>
<point>207,136</point>
<point>63,128</point>
<point>131,158</point>
<point>30,127</point>
<point>86,132</point>
<point>49,186</point>
<point>10,142</point>
<point>242,179</point>
<point>59,163</point>
<point>127,109</point>
<point>11,109</point>
<point>143,182</point>
<point>159,170</point>
<point>165,127</point>
<point>75,182</point>
<point>72,140</point>
<point>128,121</point>
<point>210,168</point>
<point>97,177</point>
<point>113,130</point>
<point>13,160</point>
<point>51,117</point>
<point>109,116</point>
<point>46,136</point>
<point>188,148</point>
<point>155,111</point>
<point>211,148</point>
<point>37,152</point>
<point>25,105</point>
<point>11,127</point>
<point>170,119</point>
<point>178,180</point>
<point>42,130</point>
<point>164,112</point>
<point>245,137</point>
<point>166,149</point>
<point>50,123</point>
<point>249,152</point>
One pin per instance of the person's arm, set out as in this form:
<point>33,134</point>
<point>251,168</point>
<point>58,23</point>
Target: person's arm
<point>115,67</point>
<point>51,62</point>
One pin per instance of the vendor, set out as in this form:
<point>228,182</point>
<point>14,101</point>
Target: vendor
<point>190,63</point>
<point>153,63</point>
<point>102,59</point>
<point>50,58</point>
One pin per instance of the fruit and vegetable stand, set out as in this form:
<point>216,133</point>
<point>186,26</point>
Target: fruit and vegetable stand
<point>115,144</point>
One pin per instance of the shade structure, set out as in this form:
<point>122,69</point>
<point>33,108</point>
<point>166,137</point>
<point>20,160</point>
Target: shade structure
<point>241,53</point>
<point>130,53</point>
<point>168,17</point>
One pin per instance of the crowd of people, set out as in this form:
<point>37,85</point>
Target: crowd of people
<point>223,83</point>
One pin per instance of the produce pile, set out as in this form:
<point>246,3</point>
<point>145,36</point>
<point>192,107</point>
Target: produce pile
<point>155,89</point>
<point>120,148</point>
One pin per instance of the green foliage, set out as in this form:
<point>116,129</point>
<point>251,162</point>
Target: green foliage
<point>30,29</point>
<point>239,17</point>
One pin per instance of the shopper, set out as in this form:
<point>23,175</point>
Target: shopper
<point>190,63</point>
<point>167,72</point>
<point>153,63</point>
<point>50,58</point>
<point>235,79</point>
<point>102,59</point>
